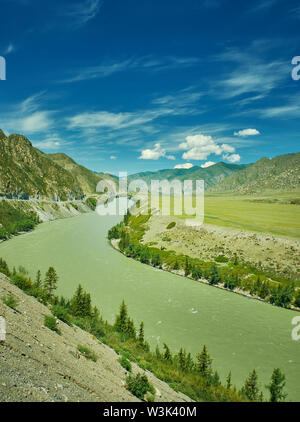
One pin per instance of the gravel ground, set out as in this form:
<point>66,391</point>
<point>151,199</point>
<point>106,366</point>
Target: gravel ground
<point>36,364</point>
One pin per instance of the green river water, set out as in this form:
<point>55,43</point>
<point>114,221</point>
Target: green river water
<point>240,333</point>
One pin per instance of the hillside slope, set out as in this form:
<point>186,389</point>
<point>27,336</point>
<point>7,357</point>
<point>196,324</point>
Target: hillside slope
<point>281,173</point>
<point>36,364</point>
<point>26,172</point>
<point>85,178</point>
<point>211,175</point>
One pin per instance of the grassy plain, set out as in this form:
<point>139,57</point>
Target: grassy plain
<point>273,213</point>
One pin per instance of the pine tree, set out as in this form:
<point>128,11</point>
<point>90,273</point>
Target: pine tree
<point>204,362</point>
<point>176,266</point>
<point>167,353</point>
<point>158,353</point>
<point>276,386</point>
<point>38,280</point>
<point>77,302</point>
<point>130,329</point>
<point>228,381</point>
<point>250,388</point>
<point>182,359</point>
<point>50,282</point>
<point>187,269</point>
<point>214,276</point>
<point>122,319</point>
<point>141,336</point>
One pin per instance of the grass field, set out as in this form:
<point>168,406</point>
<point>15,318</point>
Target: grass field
<point>271,213</point>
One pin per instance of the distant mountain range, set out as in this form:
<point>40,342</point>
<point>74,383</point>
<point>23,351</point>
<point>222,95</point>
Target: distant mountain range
<point>211,175</point>
<point>281,173</point>
<point>26,172</point>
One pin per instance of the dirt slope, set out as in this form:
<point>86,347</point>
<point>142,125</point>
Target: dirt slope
<point>36,364</point>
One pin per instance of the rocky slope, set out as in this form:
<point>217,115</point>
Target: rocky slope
<point>26,172</point>
<point>36,364</point>
<point>85,178</point>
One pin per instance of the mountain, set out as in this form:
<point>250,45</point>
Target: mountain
<point>86,179</point>
<point>26,172</point>
<point>281,173</point>
<point>211,175</point>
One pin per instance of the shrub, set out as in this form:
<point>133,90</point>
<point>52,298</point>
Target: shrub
<point>51,323</point>
<point>87,353</point>
<point>61,313</point>
<point>221,258</point>
<point>125,363</point>
<point>91,203</point>
<point>10,301</point>
<point>171,225</point>
<point>139,385</point>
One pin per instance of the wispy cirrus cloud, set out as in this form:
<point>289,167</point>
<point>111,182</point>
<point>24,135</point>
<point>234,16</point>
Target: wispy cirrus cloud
<point>27,117</point>
<point>10,48</point>
<point>81,12</point>
<point>146,63</point>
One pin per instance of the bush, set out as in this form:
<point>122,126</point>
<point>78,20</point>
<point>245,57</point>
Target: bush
<point>61,313</point>
<point>125,363</point>
<point>87,353</point>
<point>51,323</point>
<point>91,203</point>
<point>221,258</point>
<point>10,301</point>
<point>171,225</point>
<point>139,385</point>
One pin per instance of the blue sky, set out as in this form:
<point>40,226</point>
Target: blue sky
<point>143,85</point>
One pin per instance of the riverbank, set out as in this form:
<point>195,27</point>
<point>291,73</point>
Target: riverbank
<point>115,244</point>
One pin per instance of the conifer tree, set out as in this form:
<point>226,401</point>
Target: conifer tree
<point>204,362</point>
<point>228,381</point>
<point>250,388</point>
<point>38,279</point>
<point>182,359</point>
<point>167,353</point>
<point>50,282</point>
<point>121,319</point>
<point>141,336</point>
<point>276,386</point>
<point>187,269</point>
<point>176,265</point>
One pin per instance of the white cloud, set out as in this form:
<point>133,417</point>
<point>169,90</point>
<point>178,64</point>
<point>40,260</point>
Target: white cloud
<point>251,75</point>
<point>36,122</point>
<point>9,49</point>
<point>199,147</point>
<point>233,158</point>
<point>184,166</point>
<point>144,63</point>
<point>208,164</point>
<point>83,11</point>
<point>153,154</point>
<point>247,132</point>
<point>48,144</point>
<point>109,120</point>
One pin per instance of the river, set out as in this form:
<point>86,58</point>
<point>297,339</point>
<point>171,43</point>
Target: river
<point>241,334</point>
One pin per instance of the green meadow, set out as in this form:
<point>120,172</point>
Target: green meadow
<point>271,213</point>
